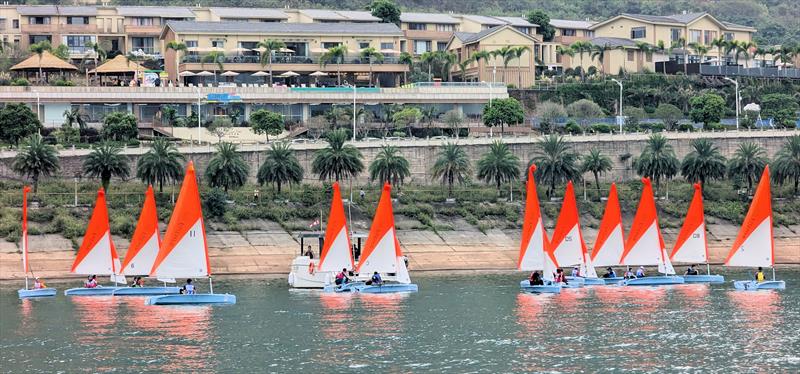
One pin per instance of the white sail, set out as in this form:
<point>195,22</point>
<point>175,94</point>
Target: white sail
<point>693,250</point>
<point>611,250</point>
<point>143,261</point>
<point>187,258</point>
<point>338,255</point>
<point>647,250</point>
<point>755,250</point>
<point>382,259</point>
<point>402,272</point>
<point>532,259</point>
<point>98,259</point>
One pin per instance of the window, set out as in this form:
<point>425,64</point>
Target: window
<point>362,45</point>
<point>422,46</point>
<point>568,32</point>
<point>142,21</point>
<point>728,36</point>
<point>709,36</point>
<point>147,45</point>
<point>417,26</point>
<point>218,43</point>
<point>77,20</point>
<point>445,28</point>
<point>649,57</point>
<point>674,35</point>
<point>15,23</point>
<point>695,36</point>
<point>441,46</point>
<point>638,32</point>
<point>2,24</point>
<point>33,39</point>
<point>402,45</point>
<point>191,44</point>
<point>630,55</point>
<point>588,33</point>
<point>387,45</point>
<point>77,43</point>
<point>523,29</point>
<point>329,45</point>
<point>39,20</point>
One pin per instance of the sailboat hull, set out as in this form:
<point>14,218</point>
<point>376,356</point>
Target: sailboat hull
<point>196,299</point>
<point>144,291</point>
<point>708,278</point>
<point>364,288</point>
<point>613,280</point>
<point>587,281</point>
<point>97,291</point>
<point>548,287</point>
<point>755,286</point>
<point>33,293</point>
<point>664,280</point>
<point>576,280</point>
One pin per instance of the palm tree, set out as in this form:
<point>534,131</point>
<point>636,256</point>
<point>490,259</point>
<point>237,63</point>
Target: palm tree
<point>452,164</point>
<point>227,169</point>
<point>335,55</point>
<point>646,49</point>
<point>98,53</point>
<point>428,58</point>
<point>178,47</point>
<point>280,166</point>
<point>555,161</point>
<point>269,47</point>
<point>463,65</point>
<point>657,160</point>
<point>565,51</point>
<point>681,43</point>
<point>703,163</point>
<point>477,56</point>
<point>338,160</point>
<point>161,164</point>
<point>701,50</point>
<point>498,165</point>
<point>748,162</point>
<point>719,43</point>
<point>218,59</point>
<point>75,116</point>
<point>597,163</point>
<point>787,162</point>
<point>518,52</point>
<point>599,52</point>
<point>763,52</point>
<point>580,47</point>
<point>389,166</point>
<point>665,49</point>
<point>105,161</point>
<point>39,49</point>
<point>447,59</point>
<point>406,58</point>
<point>744,48</point>
<point>784,54</point>
<point>35,159</point>
<point>506,53</point>
<point>372,55</point>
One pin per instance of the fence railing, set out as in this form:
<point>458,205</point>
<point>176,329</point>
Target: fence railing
<point>762,72</point>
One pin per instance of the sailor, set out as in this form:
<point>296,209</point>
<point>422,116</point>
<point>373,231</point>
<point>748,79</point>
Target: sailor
<point>91,282</point>
<point>536,279</point>
<point>38,284</point>
<point>629,274</point>
<point>342,278</point>
<point>610,273</point>
<point>560,278</point>
<point>691,271</point>
<point>640,272</point>
<point>760,275</point>
<point>376,279</point>
<point>188,288</point>
<point>576,272</point>
<point>309,253</point>
<point>135,282</point>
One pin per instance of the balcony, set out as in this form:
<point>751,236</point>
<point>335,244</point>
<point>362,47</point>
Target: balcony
<point>54,28</point>
<point>428,35</point>
<point>154,30</point>
<point>253,59</point>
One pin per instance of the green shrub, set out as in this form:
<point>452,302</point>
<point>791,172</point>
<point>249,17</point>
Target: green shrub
<point>573,128</point>
<point>20,82</point>
<point>215,202</point>
<point>684,127</point>
<point>63,83</point>
<point>601,128</point>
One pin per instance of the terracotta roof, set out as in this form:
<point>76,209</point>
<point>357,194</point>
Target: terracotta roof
<point>119,64</point>
<point>48,62</point>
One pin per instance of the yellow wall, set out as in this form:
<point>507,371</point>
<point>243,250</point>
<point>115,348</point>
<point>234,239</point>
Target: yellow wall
<point>621,28</point>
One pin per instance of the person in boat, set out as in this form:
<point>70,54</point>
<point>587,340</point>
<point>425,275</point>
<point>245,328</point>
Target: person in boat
<point>309,253</point>
<point>536,279</point>
<point>135,282</point>
<point>610,273</point>
<point>629,274</point>
<point>376,279</point>
<point>576,272</point>
<point>640,272</point>
<point>760,275</point>
<point>342,278</point>
<point>188,288</point>
<point>91,282</point>
<point>38,284</point>
<point>560,277</point>
<point>692,271</point>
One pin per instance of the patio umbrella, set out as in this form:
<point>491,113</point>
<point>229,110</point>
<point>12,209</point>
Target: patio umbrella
<point>186,74</point>
<point>229,74</point>
<point>240,50</point>
<point>261,74</point>
<point>289,74</point>
<point>204,74</point>
<point>318,74</point>
<point>286,50</point>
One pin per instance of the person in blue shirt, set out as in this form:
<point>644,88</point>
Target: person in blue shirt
<point>610,273</point>
<point>629,274</point>
<point>376,279</point>
<point>188,288</point>
<point>576,272</point>
<point>640,272</point>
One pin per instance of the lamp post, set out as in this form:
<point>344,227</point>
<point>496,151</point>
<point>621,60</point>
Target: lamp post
<point>354,120</point>
<point>736,87</point>
<point>197,89</point>
<point>38,116</point>
<point>619,108</point>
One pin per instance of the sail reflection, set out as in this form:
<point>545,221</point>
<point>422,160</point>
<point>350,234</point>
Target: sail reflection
<point>336,315</point>
<point>694,295</point>
<point>759,310</point>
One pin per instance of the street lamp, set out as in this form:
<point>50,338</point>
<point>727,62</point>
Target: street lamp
<point>38,116</point>
<point>736,86</point>
<point>354,118</point>
<point>199,96</point>
<point>619,108</point>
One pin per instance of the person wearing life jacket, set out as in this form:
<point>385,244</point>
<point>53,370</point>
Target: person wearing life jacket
<point>610,273</point>
<point>309,253</point>
<point>91,282</point>
<point>640,273</point>
<point>376,279</point>
<point>38,284</point>
<point>560,277</point>
<point>188,288</point>
<point>629,274</point>
<point>536,279</point>
<point>691,271</point>
<point>342,278</point>
<point>576,272</point>
<point>760,275</point>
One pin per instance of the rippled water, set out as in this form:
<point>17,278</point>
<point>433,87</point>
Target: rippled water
<point>462,323</point>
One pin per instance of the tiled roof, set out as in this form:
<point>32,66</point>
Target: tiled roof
<point>484,20</point>
<point>285,28</point>
<point>357,15</point>
<point>469,37</point>
<point>77,10</point>
<point>225,12</point>
<point>323,14</point>
<point>427,18</point>
<point>517,21</point>
<point>570,24</point>
<point>38,10</point>
<point>613,42</point>
<point>155,11</point>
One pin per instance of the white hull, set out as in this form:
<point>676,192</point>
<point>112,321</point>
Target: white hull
<point>300,275</point>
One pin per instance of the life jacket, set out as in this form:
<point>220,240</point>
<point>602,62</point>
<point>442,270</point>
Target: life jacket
<point>760,276</point>
<point>189,289</point>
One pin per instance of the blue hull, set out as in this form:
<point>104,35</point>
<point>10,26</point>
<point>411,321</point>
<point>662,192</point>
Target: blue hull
<point>653,281</point>
<point>576,280</point>
<point>146,291</point>
<point>594,282</point>
<point>98,291</point>
<point>612,281</point>
<point>41,292</point>
<point>196,299</point>
<point>547,288</point>
<point>755,286</point>
<point>703,279</point>
<point>364,288</point>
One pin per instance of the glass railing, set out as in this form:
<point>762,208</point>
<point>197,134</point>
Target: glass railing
<point>245,59</point>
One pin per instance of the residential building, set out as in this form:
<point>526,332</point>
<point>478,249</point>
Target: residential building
<point>518,70</point>
<point>569,31</point>
<point>620,54</point>
<point>425,32</point>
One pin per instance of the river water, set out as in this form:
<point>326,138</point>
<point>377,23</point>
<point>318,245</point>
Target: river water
<point>457,323</point>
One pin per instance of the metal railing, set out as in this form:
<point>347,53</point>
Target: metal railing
<point>760,72</point>
<point>253,59</point>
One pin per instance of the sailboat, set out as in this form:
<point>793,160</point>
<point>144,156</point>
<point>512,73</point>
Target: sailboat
<point>336,251</point>
<point>755,244</point>
<point>97,254</point>
<point>382,254</point>
<point>645,245</point>
<point>567,245</point>
<point>143,250</point>
<point>691,246</point>
<point>610,242</point>
<point>184,251</point>
<point>533,254</point>
<point>29,292</point>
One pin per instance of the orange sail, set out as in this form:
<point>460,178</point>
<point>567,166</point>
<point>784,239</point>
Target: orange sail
<point>534,237</point>
<point>24,239</point>
<point>610,241</point>
<point>146,240</point>
<point>755,236</point>
<point>382,251</point>
<point>97,254</point>
<point>336,251</point>
<point>184,250</point>
<point>566,244</point>
<point>645,245</point>
<point>691,245</point>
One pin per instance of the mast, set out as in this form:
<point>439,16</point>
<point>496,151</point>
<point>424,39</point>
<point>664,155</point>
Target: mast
<point>756,231</point>
<point>24,238</point>
<point>534,237</point>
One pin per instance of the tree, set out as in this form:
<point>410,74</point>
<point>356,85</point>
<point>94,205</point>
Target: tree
<point>580,47</point>
<point>598,52</point>
<point>556,162</point>
<point>562,51</point>
<point>703,163</point>
<point>35,159</point>
<point>506,54</point>
<point>98,53</point>
<point>657,160</point>
<point>700,49</point>
<point>407,59</point>
<point>584,110</point>
<point>75,116</point>
<point>681,43</point>
<point>17,121</point>
<point>39,49</point>
<point>217,58</point>
<point>748,162</point>
<point>453,118</point>
<point>335,55</point>
<point>707,108</point>
<point>669,114</point>
<point>597,163</point>
<point>407,117</point>
<point>429,58</point>
<point>452,165</point>
<point>502,112</point>
<point>265,122</point>
<point>372,55</point>
<point>161,164</point>
<point>477,56</point>
<point>538,17</point>
<point>386,10</point>
<point>498,165</point>
<point>62,51</point>
<point>782,108</point>
<point>719,43</point>
<point>220,127</point>
<point>227,169</point>
<point>787,162</point>
<point>119,126</point>
<point>269,47</point>
<point>106,161</point>
<point>178,47</point>
<point>389,166</point>
<point>549,113</point>
<point>280,166</point>
<point>338,160</point>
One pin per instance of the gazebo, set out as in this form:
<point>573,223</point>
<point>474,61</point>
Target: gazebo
<point>118,66</point>
<point>46,64</point>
